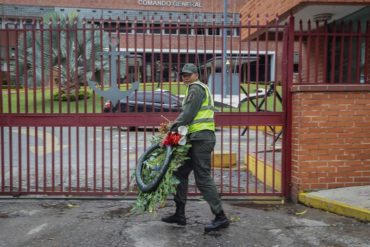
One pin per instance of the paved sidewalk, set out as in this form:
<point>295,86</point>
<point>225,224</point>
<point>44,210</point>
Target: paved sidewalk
<point>349,201</point>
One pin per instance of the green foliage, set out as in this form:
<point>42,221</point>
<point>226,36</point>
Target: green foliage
<point>64,96</point>
<point>65,50</point>
<point>150,202</point>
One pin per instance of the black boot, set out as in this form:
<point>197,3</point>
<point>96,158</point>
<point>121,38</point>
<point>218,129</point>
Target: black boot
<point>178,217</point>
<point>221,221</point>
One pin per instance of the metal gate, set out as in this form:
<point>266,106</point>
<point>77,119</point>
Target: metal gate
<point>62,132</point>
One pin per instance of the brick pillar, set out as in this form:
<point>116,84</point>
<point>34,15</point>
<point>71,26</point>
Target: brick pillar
<point>331,137</point>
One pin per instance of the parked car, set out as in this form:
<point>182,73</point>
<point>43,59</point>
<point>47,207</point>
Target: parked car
<point>146,101</point>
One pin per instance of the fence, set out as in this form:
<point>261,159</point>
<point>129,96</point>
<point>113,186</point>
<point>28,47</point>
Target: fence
<point>62,133</point>
<point>338,52</point>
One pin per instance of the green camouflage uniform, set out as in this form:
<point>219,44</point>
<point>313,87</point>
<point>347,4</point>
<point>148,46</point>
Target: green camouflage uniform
<point>203,143</point>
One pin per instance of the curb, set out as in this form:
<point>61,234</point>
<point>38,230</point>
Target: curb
<point>265,172</point>
<point>336,207</point>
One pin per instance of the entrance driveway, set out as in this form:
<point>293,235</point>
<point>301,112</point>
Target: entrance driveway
<point>35,222</point>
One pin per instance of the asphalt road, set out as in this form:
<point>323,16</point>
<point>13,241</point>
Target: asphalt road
<point>45,223</point>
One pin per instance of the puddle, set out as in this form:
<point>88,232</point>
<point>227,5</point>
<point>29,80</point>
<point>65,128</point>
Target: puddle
<point>60,205</point>
<point>4,215</point>
<point>118,213</point>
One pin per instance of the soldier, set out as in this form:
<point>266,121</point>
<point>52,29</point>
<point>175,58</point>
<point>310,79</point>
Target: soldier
<point>198,115</point>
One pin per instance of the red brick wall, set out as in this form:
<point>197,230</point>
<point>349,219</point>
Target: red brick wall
<point>282,8</point>
<point>273,8</point>
<point>199,44</point>
<point>331,137</point>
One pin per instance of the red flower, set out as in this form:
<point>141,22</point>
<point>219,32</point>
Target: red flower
<point>172,139</point>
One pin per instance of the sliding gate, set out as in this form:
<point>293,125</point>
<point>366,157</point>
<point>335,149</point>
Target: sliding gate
<point>61,132</point>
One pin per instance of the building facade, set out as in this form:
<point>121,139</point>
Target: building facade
<point>330,90</point>
<point>196,29</point>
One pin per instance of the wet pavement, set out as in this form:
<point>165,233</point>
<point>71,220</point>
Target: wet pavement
<point>77,222</point>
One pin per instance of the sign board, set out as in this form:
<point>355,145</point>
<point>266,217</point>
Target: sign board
<point>163,3</point>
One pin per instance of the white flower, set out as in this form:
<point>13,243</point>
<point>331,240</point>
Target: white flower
<point>182,141</point>
<point>182,130</point>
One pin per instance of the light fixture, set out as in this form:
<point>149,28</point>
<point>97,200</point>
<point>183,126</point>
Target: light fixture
<point>322,17</point>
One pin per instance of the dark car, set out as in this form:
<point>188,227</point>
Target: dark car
<point>146,101</point>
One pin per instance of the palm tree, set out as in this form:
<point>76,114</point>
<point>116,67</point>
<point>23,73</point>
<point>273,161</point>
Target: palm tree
<point>64,52</point>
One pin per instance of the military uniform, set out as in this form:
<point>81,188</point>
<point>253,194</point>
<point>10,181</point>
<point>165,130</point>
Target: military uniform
<point>198,115</point>
<point>203,142</point>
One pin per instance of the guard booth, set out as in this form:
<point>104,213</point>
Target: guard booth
<point>235,64</point>
<point>226,86</point>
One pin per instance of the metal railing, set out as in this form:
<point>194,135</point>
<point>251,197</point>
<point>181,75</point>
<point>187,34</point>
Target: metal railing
<point>57,137</point>
<point>332,53</point>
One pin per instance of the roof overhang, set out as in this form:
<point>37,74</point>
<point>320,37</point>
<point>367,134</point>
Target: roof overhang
<point>331,11</point>
<point>320,13</point>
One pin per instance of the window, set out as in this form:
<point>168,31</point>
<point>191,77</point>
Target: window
<point>296,62</point>
<point>236,32</point>
<point>125,27</point>
<point>155,28</point>
<point>184,29</point>
<point>109,26</point>
<point>140,28</point>
<point>11,23</point>
<point>200,30</point>
<point>214,31</point>
<point>170,29</point>
<point>228,32</point>
<point>29,24</point>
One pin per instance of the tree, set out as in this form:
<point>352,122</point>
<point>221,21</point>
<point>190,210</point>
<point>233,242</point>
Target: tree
<point>64,52</point>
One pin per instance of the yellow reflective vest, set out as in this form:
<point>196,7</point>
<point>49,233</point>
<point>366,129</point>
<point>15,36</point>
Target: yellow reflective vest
<point>204,120</point>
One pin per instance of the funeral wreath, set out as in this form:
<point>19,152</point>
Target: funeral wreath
<point>155,168</point>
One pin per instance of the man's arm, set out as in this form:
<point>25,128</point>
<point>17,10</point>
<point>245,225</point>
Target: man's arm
<point>192,104</point>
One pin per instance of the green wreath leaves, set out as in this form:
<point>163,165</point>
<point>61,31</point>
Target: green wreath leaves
<point>153,200</point>
<point>152,167</point>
